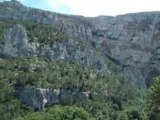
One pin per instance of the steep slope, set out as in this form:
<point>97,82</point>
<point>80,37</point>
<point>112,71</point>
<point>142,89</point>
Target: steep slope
<point>17,45</point>
<point>102,64</point>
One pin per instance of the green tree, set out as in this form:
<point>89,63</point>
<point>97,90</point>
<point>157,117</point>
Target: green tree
<point>153,100</point>
<point>60,113</point>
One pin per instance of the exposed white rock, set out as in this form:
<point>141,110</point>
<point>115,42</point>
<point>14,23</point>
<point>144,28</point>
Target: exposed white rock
<point>16,43</point>
<point>130,39</point>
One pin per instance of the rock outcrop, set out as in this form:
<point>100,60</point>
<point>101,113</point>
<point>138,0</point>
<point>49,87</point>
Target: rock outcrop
<point>16,44</point>
<point>71,51</point>
<point>39,98</point>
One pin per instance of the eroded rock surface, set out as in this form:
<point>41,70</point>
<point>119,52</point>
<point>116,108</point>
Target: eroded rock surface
<point>39,98</point>
<point>132,40</point>
<point>16,44</point>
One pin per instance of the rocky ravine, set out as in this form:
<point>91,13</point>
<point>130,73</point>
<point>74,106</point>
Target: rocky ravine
<point>131,41</point>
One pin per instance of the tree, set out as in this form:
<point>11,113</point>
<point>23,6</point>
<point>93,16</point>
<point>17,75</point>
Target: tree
<point>153,99</point>
<point>60,113</point>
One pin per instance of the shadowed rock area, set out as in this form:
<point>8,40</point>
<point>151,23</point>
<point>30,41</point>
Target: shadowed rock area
<point>39,98</point>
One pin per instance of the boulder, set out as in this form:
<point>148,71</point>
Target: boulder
<point>38,98</point>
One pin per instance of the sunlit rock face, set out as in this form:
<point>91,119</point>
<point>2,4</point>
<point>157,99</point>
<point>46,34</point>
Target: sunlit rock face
<point>16,43</point>
<point>131,40</point>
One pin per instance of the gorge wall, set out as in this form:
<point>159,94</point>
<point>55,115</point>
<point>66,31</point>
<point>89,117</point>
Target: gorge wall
<point>131,41</point>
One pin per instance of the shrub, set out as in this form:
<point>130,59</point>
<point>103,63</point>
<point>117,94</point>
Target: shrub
<point>153,99</point>
<point>60,113</point>
<point>123,116</point>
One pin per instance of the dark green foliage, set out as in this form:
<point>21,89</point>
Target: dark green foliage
<point>10,106</point>
<point>153,100</point>
<point>153,94</point>
<point>133,113</point>
<point>60,113</point>
<point>134,108</point>
<point>39,116</point>
<point>99,110</point>
<point>123,116</point>
<point>47,74</point>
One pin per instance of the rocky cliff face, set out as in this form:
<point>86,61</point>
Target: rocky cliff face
<point>130,40</point>
<point>17,45</point>
<point>39,98</point>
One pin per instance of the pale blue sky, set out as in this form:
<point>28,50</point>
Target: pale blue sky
<point>46,5</point>
<point>95,7</point>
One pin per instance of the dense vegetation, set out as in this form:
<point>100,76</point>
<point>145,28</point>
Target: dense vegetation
<point>59,113</point>
<point>153,100</point>
<point>43,73</point>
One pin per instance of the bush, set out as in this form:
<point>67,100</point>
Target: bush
<point>133,113</point>
<point>39,116</point>
<point>60,113</point>
<point>123,116</point>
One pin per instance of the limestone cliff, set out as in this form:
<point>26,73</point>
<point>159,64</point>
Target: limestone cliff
<point>131,40</point>
<point>17,45</point>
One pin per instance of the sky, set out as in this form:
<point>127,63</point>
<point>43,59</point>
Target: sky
<point>92,8</point>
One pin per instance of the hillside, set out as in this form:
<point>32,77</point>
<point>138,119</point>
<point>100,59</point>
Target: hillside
<point>99,66</point>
